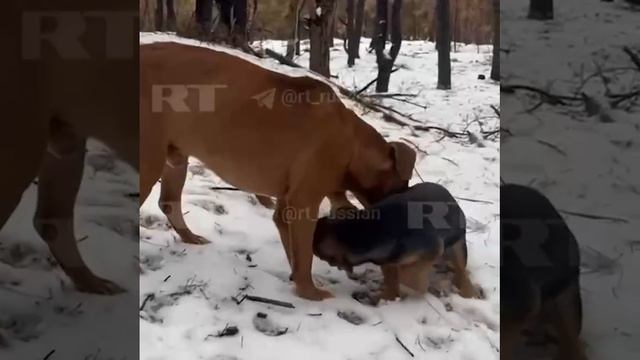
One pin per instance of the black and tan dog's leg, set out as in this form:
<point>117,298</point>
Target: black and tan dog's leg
<point>566,318</point>
<point>460,274</point>
<point>391,282</point>
<point>510,338</point>
<point>170,201</point>
<point>59,181</point>
<point>415,275</point>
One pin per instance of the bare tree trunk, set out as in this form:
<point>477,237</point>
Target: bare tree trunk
<point>293,44</point>
<point>443,44</point>
<point>385,61</point>
<point>159,18</point>
<point>351,33</point>
<point>541,9</point>
<point>320,15</point>
<point>359,23</point>
<point>495,63</point>
<point>204,14</point>
<point>171,16</point>
<point>334,24</point>
<point>454,28</point>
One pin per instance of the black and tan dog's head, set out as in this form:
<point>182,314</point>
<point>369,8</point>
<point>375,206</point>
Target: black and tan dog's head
<point>327,247</point>
<point>376,174</point>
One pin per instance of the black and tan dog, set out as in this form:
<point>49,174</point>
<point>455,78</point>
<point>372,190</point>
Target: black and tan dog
<point>539,275</point>
<point>406,234</point>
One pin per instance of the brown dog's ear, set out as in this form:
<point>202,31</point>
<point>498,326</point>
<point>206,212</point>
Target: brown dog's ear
<point>404,159</point>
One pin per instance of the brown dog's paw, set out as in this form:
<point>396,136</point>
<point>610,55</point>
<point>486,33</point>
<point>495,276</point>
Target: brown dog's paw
<point>95,285</point>
<point>195,240</point>
<point>313,293</point>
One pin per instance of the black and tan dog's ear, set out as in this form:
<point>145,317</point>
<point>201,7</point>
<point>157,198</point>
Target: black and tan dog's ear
<point>404,159</point>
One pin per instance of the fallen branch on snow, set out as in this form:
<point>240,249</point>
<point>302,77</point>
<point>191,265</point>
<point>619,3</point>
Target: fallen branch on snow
<point>594,217</point>
<point>267,301</point>
<point>404,346</point>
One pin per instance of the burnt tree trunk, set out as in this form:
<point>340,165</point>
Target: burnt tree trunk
<point>541,9</point>
<point>495,62</point>
<point>385,60</point>
<point>320,15</point>
<point>443,44</point>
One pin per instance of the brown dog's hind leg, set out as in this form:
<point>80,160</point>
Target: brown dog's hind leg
<point>59,181</point>
<point>170,201</point>
<point>461,276</point>
<point>565,317</point>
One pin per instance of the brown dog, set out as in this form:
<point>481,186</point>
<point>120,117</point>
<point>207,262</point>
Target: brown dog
<point>55,99</point>
<point>297,152</point>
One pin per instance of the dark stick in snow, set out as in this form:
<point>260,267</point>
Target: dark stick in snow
<point>49,354</point>
<point>269,301</point>
<point>404,346</point>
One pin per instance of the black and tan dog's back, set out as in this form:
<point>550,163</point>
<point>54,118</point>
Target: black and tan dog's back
<point>406,234</point>
<point>539,275</point>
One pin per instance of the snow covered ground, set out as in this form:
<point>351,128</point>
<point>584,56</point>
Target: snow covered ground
<point>190,290</point>
<point>583,162</point>
<point>186,292</point>
<point>40,311</point>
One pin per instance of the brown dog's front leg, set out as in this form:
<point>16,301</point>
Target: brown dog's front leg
<point>170,202</point>
<point>279,218</point>
<point>58,184</point>
<point>302,223</point>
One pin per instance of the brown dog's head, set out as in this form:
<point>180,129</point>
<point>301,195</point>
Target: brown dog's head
<point>378,171</point>
<point>327,247</point>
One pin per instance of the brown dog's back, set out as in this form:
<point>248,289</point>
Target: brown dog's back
<point>286,137</point>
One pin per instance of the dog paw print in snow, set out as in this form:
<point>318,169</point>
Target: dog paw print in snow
<point>210,206</point>
<point>267,326</point>
<point>351,317</point>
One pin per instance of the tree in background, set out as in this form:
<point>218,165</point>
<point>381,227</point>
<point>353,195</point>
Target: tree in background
<point>541,9</point>
<point>234,16</point>
<point>320,17</point>
<point>385,60</point>
<point>293,44</point>
<point>495,63</point>
<point>160,15</point>
<point>204,16</point>
<point>355,21</point>
<point>443,44</point>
